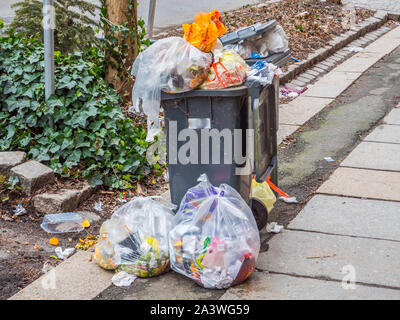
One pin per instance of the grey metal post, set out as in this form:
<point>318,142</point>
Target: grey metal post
<point>150,21</point>
<point>48,35</point>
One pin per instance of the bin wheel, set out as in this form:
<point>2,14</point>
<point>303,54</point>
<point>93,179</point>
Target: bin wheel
<point>260,213</point>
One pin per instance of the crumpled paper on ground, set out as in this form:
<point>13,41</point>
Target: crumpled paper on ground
<point>64,255</point>
<point>123,279</point>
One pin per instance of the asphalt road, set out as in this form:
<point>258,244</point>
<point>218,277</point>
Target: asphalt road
<point>168,12</point>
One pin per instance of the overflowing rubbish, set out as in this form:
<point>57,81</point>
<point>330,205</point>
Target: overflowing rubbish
<point>135,239</point>
<point>261,45</point>
<point>215,240</point>
<point>19,210</point>
<point>287,91</point>
<point>228,72</point>
<point>172,65</point>
<point>274,227</point>
<point>123,279</point>
<point>64,254</point>
<point>263,192</point>
<point>62,223</point>
<point>205,31</point>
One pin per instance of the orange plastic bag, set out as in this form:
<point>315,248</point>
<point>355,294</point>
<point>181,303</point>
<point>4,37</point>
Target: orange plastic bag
<point>204,32</point>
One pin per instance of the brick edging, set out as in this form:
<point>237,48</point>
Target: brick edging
<point>379,19</point>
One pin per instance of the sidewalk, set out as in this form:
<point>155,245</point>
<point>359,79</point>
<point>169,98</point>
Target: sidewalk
<point>345,243</point>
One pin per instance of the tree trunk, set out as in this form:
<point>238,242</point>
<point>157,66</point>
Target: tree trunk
<point>118,13</point>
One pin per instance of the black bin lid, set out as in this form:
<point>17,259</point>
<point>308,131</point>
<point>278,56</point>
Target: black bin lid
<point>247,32</point>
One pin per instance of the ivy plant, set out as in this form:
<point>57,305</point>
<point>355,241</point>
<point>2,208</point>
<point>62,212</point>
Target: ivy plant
<point>90,138</point>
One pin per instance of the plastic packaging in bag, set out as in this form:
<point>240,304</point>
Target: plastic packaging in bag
<point>263,192</point>
<point>135,239</point>
<point>172,65</point>
<point>62,222</point>
<point>204,32</point>
<point>215,240</point>
<point>271,42</point>
<point>261,74</point>
<point>228,72</point>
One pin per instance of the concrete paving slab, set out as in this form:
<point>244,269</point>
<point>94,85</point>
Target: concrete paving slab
<point>264,286</point>
<point>385,133</point>
<point>301,109</point>
<point>75,279</point>
<point>285,131</point>
<point>170,286</point>
<point>350,216</point>
<point>32,176</point>
<point>358,63</point>
<point>332,84</point>
<point>374,155</point>
<point>393,117</point>
<point>331,257</point>
<point>9,160</point>
<point>363,183</point>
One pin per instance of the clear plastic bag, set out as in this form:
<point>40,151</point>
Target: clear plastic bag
<point>271,42</point>
<point>229,71</point>
<point>215,240</point>
<point>172,65</point>
<point>135,239</point>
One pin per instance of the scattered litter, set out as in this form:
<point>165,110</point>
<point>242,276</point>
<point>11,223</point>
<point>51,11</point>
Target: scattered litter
<point>36,247</point>
<point>288,200</point>
<point>286,90</point>
<point>274,227</point>
<point>282,195</point>
<point>86,224</point>
<point>295,59</point>
<point>86,243</point>
<point>54,241</point>
<point>62,223</point>
<point>166,176</point>
<point>293,95</point>
<point>19,210</point>
<point>98,206</point>
<point>64,255</point>
<point>354,49</point>
<point>123,279</point>
<point>329,159</point>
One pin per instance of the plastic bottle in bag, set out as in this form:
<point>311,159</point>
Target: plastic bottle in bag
<point>215,240</point>
<point>135,239</point>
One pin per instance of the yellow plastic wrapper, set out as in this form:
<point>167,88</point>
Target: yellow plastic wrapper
<point>228,72</point>
<point>263,192</point>
<point>204,32</point>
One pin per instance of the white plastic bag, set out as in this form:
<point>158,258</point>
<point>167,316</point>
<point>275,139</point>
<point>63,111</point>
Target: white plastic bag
<point>172,65</point>
<point>273,41</point>
<point>215,240</point>
<point>135,239</point>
